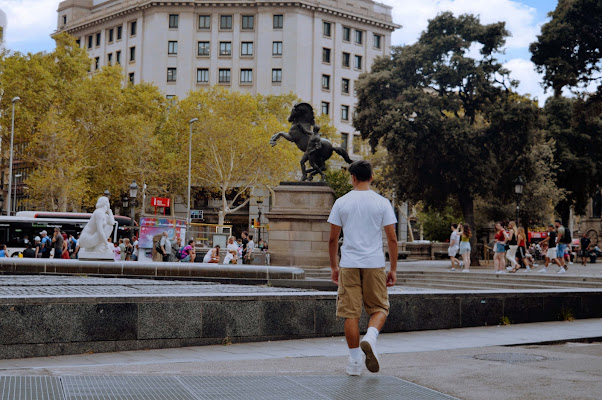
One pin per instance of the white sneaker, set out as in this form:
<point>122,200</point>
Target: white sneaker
<point>543,270</point>
<point>570,262</point>
<point>461,264</point>
<point>561,271</point>
<point>453,269</point>
<point>368,346</point>
<point>509,268</point>
<point>354,367</point>
<point>528,268</point>
<point>465,270</point>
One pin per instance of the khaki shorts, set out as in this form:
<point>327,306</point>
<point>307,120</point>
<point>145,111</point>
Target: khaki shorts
<point>357,285</point>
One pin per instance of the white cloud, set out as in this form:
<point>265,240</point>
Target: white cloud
<point>530,80</point>
<point>413,16</point>
<point>29,21</point>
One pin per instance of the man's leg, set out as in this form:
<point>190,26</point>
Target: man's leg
<point>376,303</point>
<point>352,333</point>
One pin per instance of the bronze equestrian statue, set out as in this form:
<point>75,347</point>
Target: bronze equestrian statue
<point>305,134</point>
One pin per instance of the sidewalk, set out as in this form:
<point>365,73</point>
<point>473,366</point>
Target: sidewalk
<point>467,363</point>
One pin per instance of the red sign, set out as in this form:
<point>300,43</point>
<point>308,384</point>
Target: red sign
<point>160,201</point>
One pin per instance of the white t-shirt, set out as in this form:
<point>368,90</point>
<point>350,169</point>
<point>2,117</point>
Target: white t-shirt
<point>362,214</point>
<point>250,246</point>
<point>455,236</point>
<point>136,248</point>
<point>228,258</point>
<point>207,257</point>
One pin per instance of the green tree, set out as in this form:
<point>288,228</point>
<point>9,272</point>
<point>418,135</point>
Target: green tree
<point>443,116</point>
<point>340,181</point>
<point>436,222</point>
<point>568,49</point>
<point>231,139</point>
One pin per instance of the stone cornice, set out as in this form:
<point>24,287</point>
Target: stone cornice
<point>133,6</point>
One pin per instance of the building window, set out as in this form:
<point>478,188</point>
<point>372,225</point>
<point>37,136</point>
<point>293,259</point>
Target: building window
<point>345,85</point>
<point>203,49</point>
<point>326,82</point>
<point>356,144</point>
<point>64,19</point>
<point>131,77</point>
<point>202,75</point>
<point>246,76</point>
<point>377,41</point>
<point>173,21</point>
<point>327,29</point>
<point>171,74</point>
<point>111,35</point>
<point>325,55</point>
<point>96,62</point>
<point>346,34</point>
<point>276,75</point>
<point>98,39</point>
<point>204,21</point>
<point>359,37</point>
<point>133,53</point>
<point>246,49</point>
<point>276,48</point>
<point>278,21</point>
<point>118,57</point>
<point>170,98</point>
<point>110,58</point>
<point>325,108</point>
<point>225,22</point>
<point>345,113</point>
<point>77,41</point>
<point>133,28</point>
<point>345,140</point>
<point>224,75</point>
<point>119,32</point>
<point>225,48</point>
<point>357,62</point>
<point>346,60</point>
<point>172,47</point>
<point>248,22</point>
<point>90,41</point>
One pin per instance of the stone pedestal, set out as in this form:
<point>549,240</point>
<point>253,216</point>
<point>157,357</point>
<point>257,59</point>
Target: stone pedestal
<point>299,229</point>
<point>84,255</point>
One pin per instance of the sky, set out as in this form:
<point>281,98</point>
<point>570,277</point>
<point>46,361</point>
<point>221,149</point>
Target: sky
<point>30,23</point>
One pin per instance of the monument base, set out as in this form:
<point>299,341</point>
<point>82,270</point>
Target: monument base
<point>299,230</point>
<point>95,255</point>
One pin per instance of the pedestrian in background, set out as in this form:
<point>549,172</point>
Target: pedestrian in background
<point>465,235</point>
<point>501,238</point>
<point>46,244</point>
<point>165,245</point>
<point>58,241</point>
<point>38,246</point>
<point>454,246</point>
<point>512,244</point>
<point>562,241</point>
<point>129,249</point>
<point>551,253</point>
<point>584,248</point>
<point>136,249</point>
<point>29,252</point>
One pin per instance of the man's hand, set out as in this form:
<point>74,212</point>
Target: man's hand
<point>335,276</point>
<point>391,278</point>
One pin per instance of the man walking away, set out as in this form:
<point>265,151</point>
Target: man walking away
<point>585,244</point>
<point>362,214</point>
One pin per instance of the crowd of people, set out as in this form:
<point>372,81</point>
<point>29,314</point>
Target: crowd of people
<point>513,251</point>
<point>238,251</point>
<point>59,245</point>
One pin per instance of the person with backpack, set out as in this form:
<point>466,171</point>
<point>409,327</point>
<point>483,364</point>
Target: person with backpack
<point>563,240</point>
<point>46,244</point>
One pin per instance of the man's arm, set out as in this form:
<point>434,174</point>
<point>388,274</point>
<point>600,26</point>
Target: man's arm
<point>333,250</point>
<point>392,243</point>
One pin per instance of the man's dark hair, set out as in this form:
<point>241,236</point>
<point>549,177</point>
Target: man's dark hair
<point>217,246</point>
<point>250,237</point>
<point>559,221</point>
<point>454,226</point>
<point>191,241</point>
<point>361,169</point>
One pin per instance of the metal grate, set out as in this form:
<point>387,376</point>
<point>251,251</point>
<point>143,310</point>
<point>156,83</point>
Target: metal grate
<point>30,388</point>
<point>213,388</point>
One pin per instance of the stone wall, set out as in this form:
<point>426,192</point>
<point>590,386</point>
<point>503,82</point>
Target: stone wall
<point>45,326</point>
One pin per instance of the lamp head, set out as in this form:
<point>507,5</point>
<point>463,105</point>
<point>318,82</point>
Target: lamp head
<point>15,99</point>
<point>193,120</point>
<point>133,189</point>
<point>519,185</point>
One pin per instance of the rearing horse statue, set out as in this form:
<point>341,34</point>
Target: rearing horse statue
<point>302,130</point>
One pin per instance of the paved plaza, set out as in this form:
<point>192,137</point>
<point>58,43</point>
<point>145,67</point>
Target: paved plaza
<point>495,362</point>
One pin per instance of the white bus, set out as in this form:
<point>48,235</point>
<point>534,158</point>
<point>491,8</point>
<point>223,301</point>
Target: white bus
<point>16,231</point>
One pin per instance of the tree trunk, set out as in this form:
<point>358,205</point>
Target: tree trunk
<point>467,205</point>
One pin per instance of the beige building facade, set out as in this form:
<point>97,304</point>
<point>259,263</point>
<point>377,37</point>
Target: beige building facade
<point>315,49</point>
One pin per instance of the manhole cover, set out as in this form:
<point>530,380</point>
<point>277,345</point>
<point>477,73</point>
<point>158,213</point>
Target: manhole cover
<point>510,357</point>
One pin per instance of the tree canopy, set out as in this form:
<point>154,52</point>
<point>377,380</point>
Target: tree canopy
<point>450,122</point>
<point>568,50</point>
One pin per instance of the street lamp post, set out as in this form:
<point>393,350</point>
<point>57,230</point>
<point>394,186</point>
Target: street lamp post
<point>10,165</point>
<point>518,189</point>
<point>259,204</point>
<point>133,194</point>
<point>16,176</point>
<point>189,177</point>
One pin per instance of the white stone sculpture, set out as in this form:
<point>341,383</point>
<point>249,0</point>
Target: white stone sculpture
<point>93,244</point>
